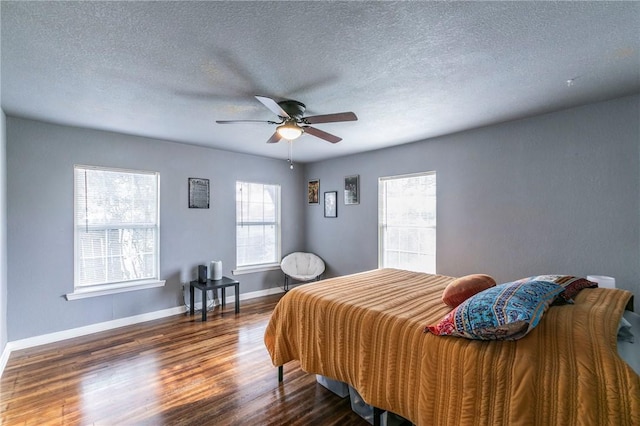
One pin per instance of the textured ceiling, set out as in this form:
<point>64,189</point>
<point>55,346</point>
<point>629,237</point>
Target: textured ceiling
<point>409,70</point>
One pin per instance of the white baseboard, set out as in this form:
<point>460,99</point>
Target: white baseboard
<point>93,328</point>
<point>254,294</point>
<point>4,358</point>
<point>110,325</point>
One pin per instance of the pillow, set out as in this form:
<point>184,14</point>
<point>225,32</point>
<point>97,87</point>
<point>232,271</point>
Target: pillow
<point>572,285</point>
<point>504,312</point>
<point>463,288</point>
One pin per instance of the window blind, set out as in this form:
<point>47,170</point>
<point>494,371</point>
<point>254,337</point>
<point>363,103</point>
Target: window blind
<point>257,224</point>
<point>407,222</point>
<point>116,226</point>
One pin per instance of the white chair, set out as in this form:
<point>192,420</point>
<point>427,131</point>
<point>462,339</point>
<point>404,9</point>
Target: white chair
<point>301,266</point>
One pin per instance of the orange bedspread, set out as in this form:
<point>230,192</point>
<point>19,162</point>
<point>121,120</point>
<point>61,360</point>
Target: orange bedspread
<point>366,329</point>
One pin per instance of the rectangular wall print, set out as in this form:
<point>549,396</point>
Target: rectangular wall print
<point>331,204</point>
<point>313,191</point>
<point>198,193</point>
<point>352,189</point>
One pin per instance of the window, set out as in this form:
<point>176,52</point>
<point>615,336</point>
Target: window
<point>117,229</point>
<point>257,225</point>
<point>407,222</point>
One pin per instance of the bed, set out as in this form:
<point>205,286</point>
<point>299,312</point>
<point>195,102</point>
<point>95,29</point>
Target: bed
<point>367,330</point>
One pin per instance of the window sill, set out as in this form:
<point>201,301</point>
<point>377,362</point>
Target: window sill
<point>103,290</point>
<point>254,269</point>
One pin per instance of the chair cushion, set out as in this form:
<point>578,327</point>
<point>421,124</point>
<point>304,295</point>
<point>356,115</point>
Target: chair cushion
<point>302,266</point>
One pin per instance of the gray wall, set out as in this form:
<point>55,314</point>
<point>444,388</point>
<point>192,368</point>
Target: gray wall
<point>557,193</point>
<point>3,232</point>
<point>40,160</point>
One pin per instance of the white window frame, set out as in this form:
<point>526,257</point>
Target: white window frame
<point>261,267</point>
<point>382,222</point>
<point>92,290</point>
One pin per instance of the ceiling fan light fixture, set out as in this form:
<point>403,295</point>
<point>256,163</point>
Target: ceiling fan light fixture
<point>289,131</point>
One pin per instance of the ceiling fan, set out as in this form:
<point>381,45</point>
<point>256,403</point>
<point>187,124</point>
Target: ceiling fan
<point>292,122</point>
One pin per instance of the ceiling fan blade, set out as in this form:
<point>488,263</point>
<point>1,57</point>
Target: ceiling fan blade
<point>330,118</point>
<point>275,138</point>
<point>273,106</point>
<point>244,121</point>
<point>321,134</point>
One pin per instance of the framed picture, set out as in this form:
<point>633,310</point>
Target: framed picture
<point>198,193</point>
<point>331,204</point>
<point>313,191</point>
<point>352,189</point>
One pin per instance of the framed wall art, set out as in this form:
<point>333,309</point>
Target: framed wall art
<point>198,193</point>
<point>352,189</point>
<point>313,191</point>
<point>331,204</point>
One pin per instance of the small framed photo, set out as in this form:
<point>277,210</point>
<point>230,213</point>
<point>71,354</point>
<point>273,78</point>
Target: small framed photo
<point>352,189</point>
<point>198,193</point>
<point>313,191</point>
<point>331,204</point>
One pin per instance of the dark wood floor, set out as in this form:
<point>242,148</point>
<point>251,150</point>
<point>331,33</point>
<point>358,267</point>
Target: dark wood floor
<point>173,371</point>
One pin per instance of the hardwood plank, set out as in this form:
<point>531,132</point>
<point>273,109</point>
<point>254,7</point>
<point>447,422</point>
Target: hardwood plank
<point>171,371</point>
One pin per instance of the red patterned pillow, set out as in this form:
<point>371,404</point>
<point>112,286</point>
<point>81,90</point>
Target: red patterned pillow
<point>572,285</point>
<point>463,288</point>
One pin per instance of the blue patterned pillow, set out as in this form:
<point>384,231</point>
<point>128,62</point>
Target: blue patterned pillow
<point>504,312</point>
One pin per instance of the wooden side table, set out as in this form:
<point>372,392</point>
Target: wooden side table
<point>222,283</point>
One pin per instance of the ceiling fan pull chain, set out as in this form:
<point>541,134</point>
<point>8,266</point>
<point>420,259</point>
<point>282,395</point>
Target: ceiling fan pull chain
<point>290,160</point>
